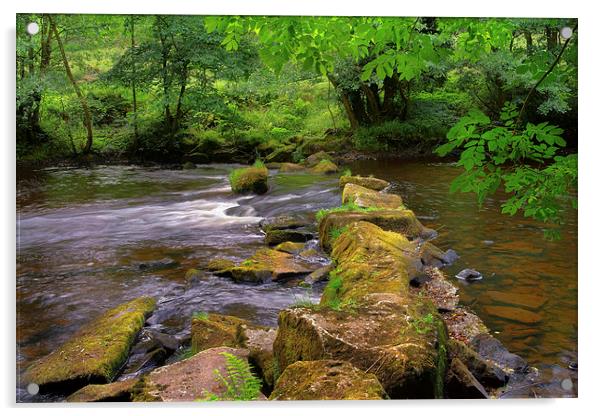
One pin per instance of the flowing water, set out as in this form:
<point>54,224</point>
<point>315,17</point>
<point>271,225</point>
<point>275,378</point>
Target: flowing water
<point>83,233</point>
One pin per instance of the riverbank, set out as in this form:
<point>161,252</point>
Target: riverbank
<point>283,182</point>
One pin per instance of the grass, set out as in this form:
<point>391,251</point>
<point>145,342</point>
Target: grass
<point>202,315</point>
<point>348,206</point>
<point>337,232</point>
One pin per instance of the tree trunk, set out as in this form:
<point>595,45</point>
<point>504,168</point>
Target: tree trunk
<point>529,40</point>
<point>183,83</point>
<point>551,38</point>
<point>134,103</point>
<point>164,73</point>
<point>45,51</point>
<point>82,99</point>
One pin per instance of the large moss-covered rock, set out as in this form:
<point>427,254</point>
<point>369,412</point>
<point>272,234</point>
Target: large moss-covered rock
<point>365,181</point>
<point>400,221</point>
<point>399,340</point>
<point>370,260</point>
<point>364,197</point>
<point>95,353</point>
<point>119,391</point>
<point>187,380</point>
<point>291,167</point>
<point>326,380</point>
<point>253,179</point>
<point>314,159</point>
<point>324,167</point>
<point>269,265</point>
<point>214,330</point>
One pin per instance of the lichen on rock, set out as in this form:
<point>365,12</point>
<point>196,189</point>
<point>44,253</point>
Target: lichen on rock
<point>95,353</point>
<point>326,380</point>
<point>365,197</point>
<point>365,181</point>
<point>269,265</point>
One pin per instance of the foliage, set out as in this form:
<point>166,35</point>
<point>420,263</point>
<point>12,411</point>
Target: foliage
<point>337,232</point>
<point>525,160</point>
<point>240,382</point>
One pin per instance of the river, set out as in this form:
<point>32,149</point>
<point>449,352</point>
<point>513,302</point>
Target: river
<point>83,233</point>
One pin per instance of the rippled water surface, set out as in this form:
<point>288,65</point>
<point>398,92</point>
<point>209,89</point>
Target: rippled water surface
<point>82,234</point>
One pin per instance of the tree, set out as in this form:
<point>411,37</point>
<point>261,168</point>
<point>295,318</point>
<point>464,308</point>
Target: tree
<point>80,96</point>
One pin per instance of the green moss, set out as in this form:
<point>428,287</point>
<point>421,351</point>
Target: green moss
<point>324,167</point>
<point>252,179</point>
<point>347,207</point>
<point>97,351</point>
<point>200,315</point>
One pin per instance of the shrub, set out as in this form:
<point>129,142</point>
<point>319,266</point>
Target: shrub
<point>240,382</point>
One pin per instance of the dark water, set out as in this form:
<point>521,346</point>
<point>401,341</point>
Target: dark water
<point>81,235</point>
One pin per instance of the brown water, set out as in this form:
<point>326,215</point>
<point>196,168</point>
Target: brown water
<point>82,233</point>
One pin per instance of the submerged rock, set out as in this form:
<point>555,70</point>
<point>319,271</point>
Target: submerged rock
<point>366,198</point>
<point>400,221</point>
<point>162,264</point>
<point>326,380</point>
<point>193,276</point>
<point>511,313</point>
<point>188,380</point>
<point>120,391</point>
<point>325,167</point>
<point>269,265</point>
<point>95,353</point>
<point>365,181</point>
<point>274,237</point>
<point>469,274</point>
<point>252,179</point>
<point>370,260</point>
<point>290,247</point>
<point>400,341</point>
<point>527,300</point>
